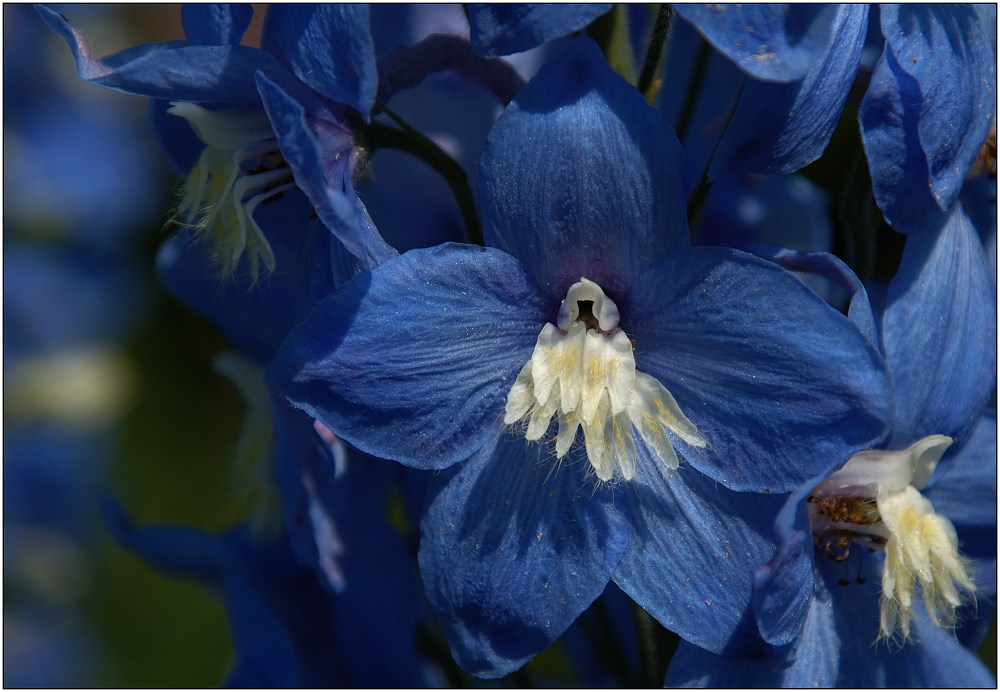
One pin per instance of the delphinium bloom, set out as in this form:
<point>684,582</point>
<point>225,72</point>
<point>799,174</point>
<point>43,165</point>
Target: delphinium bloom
<point>587,311</point>
<point>924,116</point>
<point>881,558</point>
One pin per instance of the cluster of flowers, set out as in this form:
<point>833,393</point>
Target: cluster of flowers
<point>621,395</point>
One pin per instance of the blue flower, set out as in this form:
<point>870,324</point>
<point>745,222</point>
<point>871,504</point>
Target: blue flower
<point>924,117</point>
<point>746,373</point>
<point>925,504</point>
<point>505,28</point>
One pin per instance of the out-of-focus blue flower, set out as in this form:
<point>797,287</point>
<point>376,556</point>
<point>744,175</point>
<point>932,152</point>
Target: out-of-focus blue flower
<point>924,117</point>
<point>286,630</point>
<point>418,359</point>
<point>505,28</point>
<point>822,607</point>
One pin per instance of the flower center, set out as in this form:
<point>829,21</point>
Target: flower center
<point>583,372</point>
<point>240,168</point>
<point>875,501</point>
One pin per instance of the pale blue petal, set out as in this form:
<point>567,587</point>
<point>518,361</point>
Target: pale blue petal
<point>940,333</point>
<point>413,361</point>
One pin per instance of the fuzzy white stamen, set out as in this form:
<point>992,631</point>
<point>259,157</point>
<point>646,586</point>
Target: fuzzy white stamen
<point>583,372</point>
<point>919,544</point>
<point>240,168</point>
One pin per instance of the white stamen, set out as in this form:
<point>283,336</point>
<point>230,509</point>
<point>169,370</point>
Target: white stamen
<point>221,194</point>
<point>919,544</point>
<point>583,372</point>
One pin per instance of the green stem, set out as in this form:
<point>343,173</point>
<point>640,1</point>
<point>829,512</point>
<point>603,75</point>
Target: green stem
<point>378,135</point>
<point>654,53</point>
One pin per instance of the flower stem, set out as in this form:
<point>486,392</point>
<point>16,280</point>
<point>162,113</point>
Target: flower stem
<point>406,138</point>
<point>648,85</point>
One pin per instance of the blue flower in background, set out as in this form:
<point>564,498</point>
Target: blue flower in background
<point>924,117</point>
<point>505,28</point>
<point>935,523</point>
<point>418,361</point>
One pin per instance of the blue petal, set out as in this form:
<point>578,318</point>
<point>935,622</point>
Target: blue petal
<point>505,28</point>
<point>330,48</point>
<point>780,128</point>
<point>406,66</point>
<point>940,333</point>
<point>833,268</point>
<point>694,667</point>
<point>946,50</point>
<point>783,588</point>
<point>778,43</point>
<point>581,178</point>
<point>257,318</point>
<point>889,116</point>
<point>966,493</point>
<point>215,24</point>
<point>173,71</point>
<point>321,159</point>
<point>781,384</point>
<point>514,548</point>
<point>695,549</point>
<point>413,360</point>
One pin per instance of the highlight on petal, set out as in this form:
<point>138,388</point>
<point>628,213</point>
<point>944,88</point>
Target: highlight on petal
<point>779,42</point>
<point>581,178</point>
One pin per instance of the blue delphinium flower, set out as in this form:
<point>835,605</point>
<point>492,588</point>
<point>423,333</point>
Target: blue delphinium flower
<point>924,116</point>
<point>855,544</point>
<point>457,358</point>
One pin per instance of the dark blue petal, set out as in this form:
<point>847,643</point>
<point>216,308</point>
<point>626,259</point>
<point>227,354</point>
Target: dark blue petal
<point>780,128</point>
<point>783,588</point>
<point>940,333</point>
<point>173,71</point>
<point>889,115</point>
<point>777,43</point>
<point>694,552</point>
<point>780,383</point>
<point>257,317</point>
<point>413,360</point>
<point>407,66</point>
<point>514,547</point>
<point>215,24</point>
<point>693,666</point>
<point>330,48</point>
<point>505,28</point>
<point>946,50</point>
<point>581,178</point>
<point>321,159</point>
